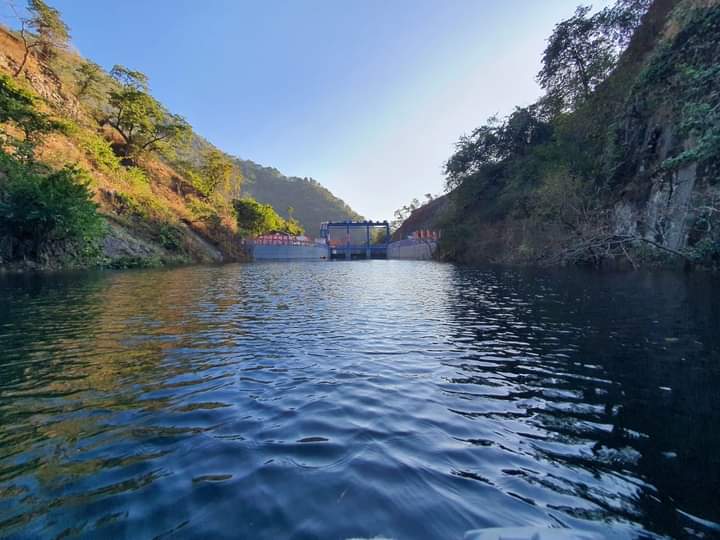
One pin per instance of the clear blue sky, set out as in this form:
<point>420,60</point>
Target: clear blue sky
<point>366,96</point>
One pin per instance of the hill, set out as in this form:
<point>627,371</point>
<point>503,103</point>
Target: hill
<point>618,162</point>
<point>95,171</point>
<point>311,203</point>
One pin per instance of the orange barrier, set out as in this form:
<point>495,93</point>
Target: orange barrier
<point>426,235</point>
<point>283,240</point>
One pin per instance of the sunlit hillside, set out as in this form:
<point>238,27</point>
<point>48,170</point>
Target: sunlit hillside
<point>164,194</point>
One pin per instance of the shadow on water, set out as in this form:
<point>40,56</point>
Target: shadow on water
<point>618,374</point>
<point>403,399</point>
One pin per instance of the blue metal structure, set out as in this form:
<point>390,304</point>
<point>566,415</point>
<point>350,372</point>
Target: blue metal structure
<point>347,248</point>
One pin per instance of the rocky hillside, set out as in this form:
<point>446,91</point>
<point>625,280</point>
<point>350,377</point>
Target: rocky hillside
<point>619,161</point>
<point>424,218</point>
<point>77,142</point>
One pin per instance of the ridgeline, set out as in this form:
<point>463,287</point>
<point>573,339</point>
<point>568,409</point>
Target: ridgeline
<point>618,163</point>
<point>94,171</point>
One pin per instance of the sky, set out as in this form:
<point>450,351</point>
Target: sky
<point>366,96</point>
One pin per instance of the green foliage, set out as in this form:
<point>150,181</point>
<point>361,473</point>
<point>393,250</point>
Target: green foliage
<point>583,50</point>
<point>49,27</point>
<point>496,142</point>
<point>215,175</point>
<point>17,108</point>
<point>254,218</point>
<point>312,203</point>
<point>613,124</point>
<point>99,151</point>
<point>217,171</point>
<point>567,201</point>
<point>578,57</point>
<point>89,76</point>
<point>138,117</point>
<point>129,79</point>
<point>707,253</point>
<point>170,237</point>
<point>133,262</point>
<point>689,70</point>
<point>205,213</point>
<point>40,210</point>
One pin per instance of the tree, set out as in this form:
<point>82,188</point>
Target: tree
<point>254,218</point>
<point>584,49</point>
<point>497,141</point>
<point>138,117</point>
<point>89,74</point>
<point>217,170</point>
<point>622,19</point>
<point>578,57</point>
<point>50,32</point>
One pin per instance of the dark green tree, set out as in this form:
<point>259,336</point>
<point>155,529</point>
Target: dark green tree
<point>622,19</point>
<point>40,209</point>
<point>584,49</point>
<point>497,141</point>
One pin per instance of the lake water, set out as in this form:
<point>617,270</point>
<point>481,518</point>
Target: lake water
<point>338,400</point>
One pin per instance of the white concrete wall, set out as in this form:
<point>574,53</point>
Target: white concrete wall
<point>270,252</point>
<point>416,250</point>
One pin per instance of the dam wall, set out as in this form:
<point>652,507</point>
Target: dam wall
<point>265,252</point>
<point>419,250</point>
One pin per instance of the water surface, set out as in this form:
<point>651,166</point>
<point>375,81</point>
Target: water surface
<point>338,400</point>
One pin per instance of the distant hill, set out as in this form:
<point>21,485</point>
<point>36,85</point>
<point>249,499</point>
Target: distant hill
<point>312,203</point>
<point>96,185</point>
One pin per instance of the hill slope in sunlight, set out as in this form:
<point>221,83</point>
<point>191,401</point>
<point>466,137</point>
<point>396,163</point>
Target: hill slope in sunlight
<point>164,197</point>
<point>309,202</point>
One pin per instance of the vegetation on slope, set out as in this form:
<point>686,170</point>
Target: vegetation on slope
<point>619,159</point>
<point>255,218</point>
<point>303,199</point>
<point>114,177</point>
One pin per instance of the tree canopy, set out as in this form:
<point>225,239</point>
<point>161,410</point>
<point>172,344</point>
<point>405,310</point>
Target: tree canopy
<point>497,141</point>
<point>254,218</point>
<point>89,74</point>
<point>217,170</point>
<point>50,31</point>
<point>578,57</point>
<point>583,50</point>
<point>139,119</point>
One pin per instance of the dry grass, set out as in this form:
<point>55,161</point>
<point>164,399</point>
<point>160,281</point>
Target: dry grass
<point>150,188</point>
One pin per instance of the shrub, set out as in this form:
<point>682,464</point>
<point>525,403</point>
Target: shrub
<point>43,211</point>
<point>170,237</point>
<point>100,152</point>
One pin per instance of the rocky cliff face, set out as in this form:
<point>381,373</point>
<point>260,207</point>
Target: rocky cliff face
<point>643,181</point>
<point>671,133</point>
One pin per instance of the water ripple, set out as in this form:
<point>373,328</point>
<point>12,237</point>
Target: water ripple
<point>401,399</point>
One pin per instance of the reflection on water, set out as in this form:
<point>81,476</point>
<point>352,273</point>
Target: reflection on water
<point>335,400</point>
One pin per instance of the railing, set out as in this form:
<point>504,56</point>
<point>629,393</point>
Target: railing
<point>283,240</point>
